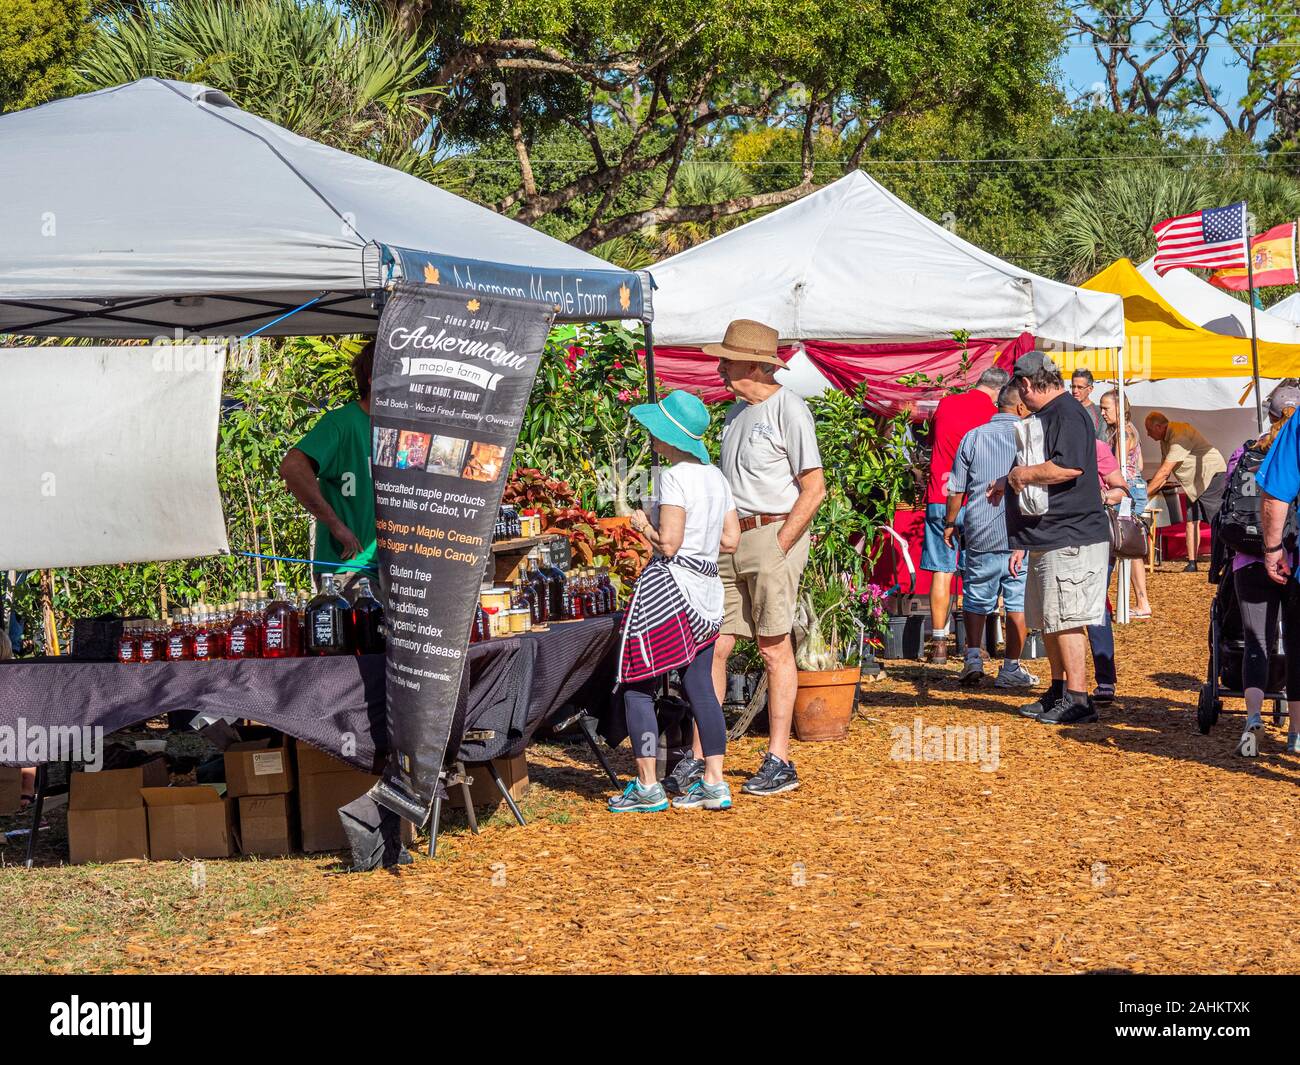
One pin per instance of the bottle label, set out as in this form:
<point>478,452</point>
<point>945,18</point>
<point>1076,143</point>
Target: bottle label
<point>146,651</point>
<point>125,652</point>
<point>238,641</point>
<point>322,627</point>
<point>200,646</point>
<point>274,635</point>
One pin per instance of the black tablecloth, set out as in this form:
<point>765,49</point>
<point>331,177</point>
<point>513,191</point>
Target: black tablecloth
<point>334,703</point>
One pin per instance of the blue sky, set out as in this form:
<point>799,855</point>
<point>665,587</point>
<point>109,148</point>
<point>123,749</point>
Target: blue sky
<point>1080,70</point>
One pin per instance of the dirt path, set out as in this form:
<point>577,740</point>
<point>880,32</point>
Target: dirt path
<point>1132,844</point>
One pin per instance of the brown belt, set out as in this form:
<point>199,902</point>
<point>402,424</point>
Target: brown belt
<point>757,521</point>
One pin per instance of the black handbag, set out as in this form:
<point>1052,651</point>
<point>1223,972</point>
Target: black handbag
<point>1128,535</point>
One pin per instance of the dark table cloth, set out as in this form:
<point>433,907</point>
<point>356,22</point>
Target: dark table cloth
<point>334,703</point>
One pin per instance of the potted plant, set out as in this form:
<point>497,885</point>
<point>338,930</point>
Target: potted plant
<point>827,662</point>
<point>871,603</point>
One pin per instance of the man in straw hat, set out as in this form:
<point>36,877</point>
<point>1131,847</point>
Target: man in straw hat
<point>770,459</point>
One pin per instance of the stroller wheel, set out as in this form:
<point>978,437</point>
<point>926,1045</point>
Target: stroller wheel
<point>1207,710</point>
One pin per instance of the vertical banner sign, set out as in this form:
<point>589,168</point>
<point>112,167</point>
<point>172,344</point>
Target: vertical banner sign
<point>453,372</point>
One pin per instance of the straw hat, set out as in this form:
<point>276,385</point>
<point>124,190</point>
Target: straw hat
<point>747,341</point>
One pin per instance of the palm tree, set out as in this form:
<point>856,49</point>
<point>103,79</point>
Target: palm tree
<point>703,182</point>
<point>346,79</point>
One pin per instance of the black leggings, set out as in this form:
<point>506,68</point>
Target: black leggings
<point>1262,601</point>
<point>697,679</point>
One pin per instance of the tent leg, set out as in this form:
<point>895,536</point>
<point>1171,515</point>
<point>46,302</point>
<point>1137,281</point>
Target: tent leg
<point>470,812</point>
<point>650,366</point>
<point>435,822</point>
<point>505,793</point>
<point>37,806</point>
<point>587,724</point>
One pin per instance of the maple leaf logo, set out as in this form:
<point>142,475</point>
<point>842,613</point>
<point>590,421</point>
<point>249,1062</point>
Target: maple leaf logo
<point>473,305</point>
<point>624,297</point>
<point>430,274</point>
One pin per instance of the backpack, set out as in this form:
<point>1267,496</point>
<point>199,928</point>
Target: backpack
<point>1239,518</point>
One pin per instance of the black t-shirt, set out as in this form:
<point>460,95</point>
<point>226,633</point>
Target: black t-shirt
<point>1075,515</point>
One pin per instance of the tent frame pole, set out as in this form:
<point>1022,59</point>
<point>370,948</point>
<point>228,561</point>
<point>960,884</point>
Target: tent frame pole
<point>1254,337</point>
<point>1124,579</point>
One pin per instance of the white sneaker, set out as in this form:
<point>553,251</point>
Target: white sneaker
<point>1248,745</point>
<point>1019,677</point>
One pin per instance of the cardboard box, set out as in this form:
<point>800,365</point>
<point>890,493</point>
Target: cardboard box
<point>11,790</point>
<point>193,822</point>
<point>266,824</point>
<point>106,814</point>
<point>258,767</point>
<point>514,772</point>
<point>325,784</point>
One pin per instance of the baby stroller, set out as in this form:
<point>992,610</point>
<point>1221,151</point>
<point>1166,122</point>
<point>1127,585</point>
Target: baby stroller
<point>1227,650</point>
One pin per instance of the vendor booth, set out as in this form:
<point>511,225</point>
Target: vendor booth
<point>866,289</point>
<point>266,233</point>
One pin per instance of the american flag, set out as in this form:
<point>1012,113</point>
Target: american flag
<point>1214,239</point>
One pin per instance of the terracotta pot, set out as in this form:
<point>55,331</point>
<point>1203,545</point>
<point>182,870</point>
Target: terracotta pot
<point>823,704</point>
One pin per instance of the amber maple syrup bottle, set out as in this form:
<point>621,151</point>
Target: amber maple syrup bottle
<point>242,635</point>
<point>329,622</point>
<point>557,601</point>
<point>128,644</point>
<point>541,588</point>
<point>180,647</point>
<point>153,641</point>
<point>367,621</point>
<point>280,625</point>
<point>204,645</point>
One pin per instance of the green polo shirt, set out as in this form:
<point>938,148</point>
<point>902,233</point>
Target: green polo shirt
<point>339,445</point>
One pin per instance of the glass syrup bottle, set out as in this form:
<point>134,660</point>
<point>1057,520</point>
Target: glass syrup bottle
<point>153,641</point>
<point>541,589</point>
<point>180,647</point>
<point>367,620</point>
<point>280,625</point>
<point>329,622</point>
<point>557,600</point>
<point>204,645</point>
<point>241,635</point>
<point>128,644</point>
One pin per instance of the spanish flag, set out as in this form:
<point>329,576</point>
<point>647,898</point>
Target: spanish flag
<point>1273,255</point>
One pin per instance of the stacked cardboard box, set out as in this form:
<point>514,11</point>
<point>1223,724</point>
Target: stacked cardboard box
<point>193,822</point>
<point>325,784</point>
<point>107,821</point>
<point>11,790</point>
<point>260,775</point>
<point>483,792</point>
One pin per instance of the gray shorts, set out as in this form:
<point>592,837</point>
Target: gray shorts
<point>1066,588</point>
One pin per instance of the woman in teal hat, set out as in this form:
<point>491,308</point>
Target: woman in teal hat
<point>676,608</point>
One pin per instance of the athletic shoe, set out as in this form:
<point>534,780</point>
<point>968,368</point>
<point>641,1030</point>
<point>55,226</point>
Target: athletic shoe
<point>1036,708</point>
<point>702,795</point>
<point>773,777</point>
<point>639,800</point>
<point>1190,567</point>
<point>1019,677</point>
<point>1293,743</point>
<point>1103,694</point>
<point>971,673</point>
<point>1066,712</point>
<point>684,774</point>
<point>939,651</point>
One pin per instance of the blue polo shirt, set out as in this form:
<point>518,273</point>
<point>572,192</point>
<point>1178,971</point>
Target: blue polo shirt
<point>1279,475</point>
<point>985,453</point>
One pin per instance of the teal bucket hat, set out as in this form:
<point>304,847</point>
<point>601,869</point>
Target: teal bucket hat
<point>679,419</point>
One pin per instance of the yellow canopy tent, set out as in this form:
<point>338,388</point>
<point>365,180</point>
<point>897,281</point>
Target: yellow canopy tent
<point>1159,342</point>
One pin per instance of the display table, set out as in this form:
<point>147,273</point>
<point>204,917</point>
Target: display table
<point>515,685</point>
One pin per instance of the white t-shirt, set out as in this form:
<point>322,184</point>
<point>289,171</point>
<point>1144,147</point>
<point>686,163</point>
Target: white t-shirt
<point>765,447</point>
<point>704,494</point>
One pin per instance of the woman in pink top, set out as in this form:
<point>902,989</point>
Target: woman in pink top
<point>1101,638</point>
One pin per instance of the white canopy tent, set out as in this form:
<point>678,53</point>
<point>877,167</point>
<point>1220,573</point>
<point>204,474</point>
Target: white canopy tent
<point>1288,309</point>
<point>1216,310</point>
<point>853,262</point>
<point>159,205</point>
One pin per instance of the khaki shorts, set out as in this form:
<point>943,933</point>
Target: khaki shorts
<point>761,583</point>
<point>1066,588</point>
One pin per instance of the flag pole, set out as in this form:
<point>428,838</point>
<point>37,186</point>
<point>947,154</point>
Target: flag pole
<point>1254,338</point>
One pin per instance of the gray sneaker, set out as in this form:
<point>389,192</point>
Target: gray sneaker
<point>972,673</point>
<point>684,774</point>
<point>1019,677</point>
<point>704,796</point>
<point>640,800</point>
<point>773,777</point>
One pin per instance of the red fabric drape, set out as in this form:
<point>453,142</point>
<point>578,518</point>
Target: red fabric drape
<point>846,366</point>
